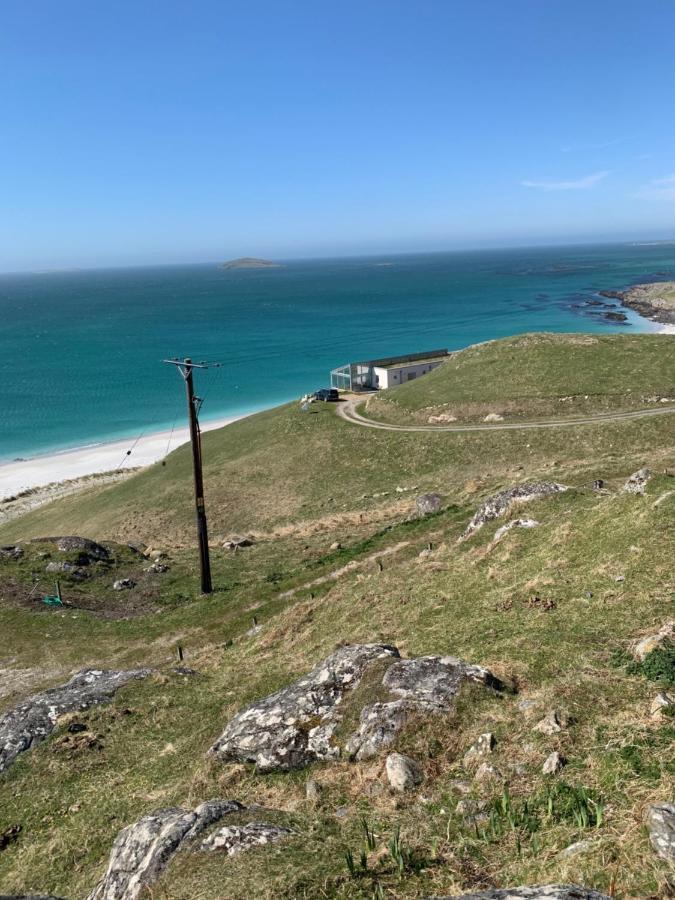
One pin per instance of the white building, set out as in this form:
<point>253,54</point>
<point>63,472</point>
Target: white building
<point>378,374</point>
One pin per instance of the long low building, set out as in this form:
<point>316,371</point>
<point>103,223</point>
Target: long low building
<point>378,374</point>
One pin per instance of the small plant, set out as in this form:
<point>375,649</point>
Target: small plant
<point>368,833</point>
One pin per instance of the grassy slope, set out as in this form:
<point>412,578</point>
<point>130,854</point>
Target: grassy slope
<point>472,600</point>
<point>285,466</point>
<point>526,376</point>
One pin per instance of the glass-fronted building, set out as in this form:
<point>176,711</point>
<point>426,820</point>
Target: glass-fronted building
<point>374,374</point>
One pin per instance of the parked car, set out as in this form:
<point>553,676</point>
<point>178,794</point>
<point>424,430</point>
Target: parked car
<point>327,395</point>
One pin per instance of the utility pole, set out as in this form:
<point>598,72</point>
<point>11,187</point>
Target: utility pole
<point>185,367</point>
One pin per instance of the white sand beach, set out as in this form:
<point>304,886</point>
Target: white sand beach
<point>68,465</point>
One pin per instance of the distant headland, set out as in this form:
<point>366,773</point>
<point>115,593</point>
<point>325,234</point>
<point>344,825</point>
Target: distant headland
<point>250,262</point>
<point>653,301</point>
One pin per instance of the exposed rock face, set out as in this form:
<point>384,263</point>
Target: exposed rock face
<point>274,734</point>
<point>637,482</point>
<point>297,725</point>
<point>542,892</point>
<point>498,504</point>
<point>428,684</point>
<point>69,543</point>
<point>11,552</point>
<point>514,523</point>
<point>661,825</point>
<point>643,647</point>
<point>428,503</point>
<point>143,850</point>
<point>238,838</point>
<point>33,720</point>
<point>403,773</point>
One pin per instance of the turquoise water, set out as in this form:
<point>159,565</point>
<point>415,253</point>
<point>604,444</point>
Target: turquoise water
<point>80,352</point>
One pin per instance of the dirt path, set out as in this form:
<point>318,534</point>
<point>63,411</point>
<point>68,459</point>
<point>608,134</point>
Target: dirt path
<point>347,411</point>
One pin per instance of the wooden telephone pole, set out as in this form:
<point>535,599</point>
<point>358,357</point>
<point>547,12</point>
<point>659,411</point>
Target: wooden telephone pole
<point>185,367</point>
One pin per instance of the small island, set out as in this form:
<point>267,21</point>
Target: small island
<point>653,301</point>
<point>250,262</point>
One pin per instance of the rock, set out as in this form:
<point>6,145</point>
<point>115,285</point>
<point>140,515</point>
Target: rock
<point>498,504</point>
<point>483,746</point>
<point>238,838</point>
<point>237,543</point>
<point>461,786</point>
<point>33,720</point>
<point>64,568</point>
<point>425,554</point>
<point>403,773</point>
<point>514,523</point>
<point>637,482</point>
<point>313,790</point>
<point>441,418</point>
<point>493,417</point>
<point>554,764</point>
<point>661,825</point>
<point>90,550</point>
<point>487,772</point>
<point>541,892</point>
<point>157,568</point>
<point>124,584</point>
<point>576,848</point>
<point>527,707</point>
<point>29,897</point>
<point>428,684</point>
<point>297,724</point>
<point>470,807</point>
<point>642,648</point>
<point>428,503</point>
<point>274,734</point>
<point>598,484</point>
<point>336,545</point>
<point>552,723</point>
<point>661,703</point>
<point>11,552</point>
<point>142,851</point>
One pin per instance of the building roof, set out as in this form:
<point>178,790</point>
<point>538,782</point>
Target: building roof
<point>408,358</point>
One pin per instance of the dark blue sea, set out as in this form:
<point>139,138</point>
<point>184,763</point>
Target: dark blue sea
<point>81,352</point>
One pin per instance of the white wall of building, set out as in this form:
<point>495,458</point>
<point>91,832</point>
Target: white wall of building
<point>394,375</point>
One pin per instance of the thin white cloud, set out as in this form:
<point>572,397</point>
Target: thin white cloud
<point>601,145</point>
<point>578,184</point>
<point>659,189</point>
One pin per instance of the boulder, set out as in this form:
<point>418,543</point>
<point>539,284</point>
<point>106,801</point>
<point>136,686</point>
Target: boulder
<point>637,482</point>
<point>493,417</point>
<point>297,725</point>
<point>403,772</point>
<point>428,503</point>
<point>427,684</point>
<point>642,648</point>
<point>237,543</point>
<point>661,825</point>
<point>70,543</point>
<point>554,764</point>
<point>123,584</point>
<point>552,723</point>
<point>514,523</point>
<point>277,732</point>
<point>142,851</point>
<point>33,720</point>
<point>541,892</point>
<point>238,838</point>
<point>11,552</point>
<point>336,545</point>
<point>498,504</point>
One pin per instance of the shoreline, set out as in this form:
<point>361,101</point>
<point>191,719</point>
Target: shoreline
<point>44,476</point>
<point>103,459</point>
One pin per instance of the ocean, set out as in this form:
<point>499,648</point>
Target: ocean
<point>81,352</point>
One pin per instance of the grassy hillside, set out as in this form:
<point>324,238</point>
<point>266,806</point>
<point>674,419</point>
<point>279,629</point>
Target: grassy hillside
<point>551,610</point>
<point>285,467</point>
<point>536,375</point>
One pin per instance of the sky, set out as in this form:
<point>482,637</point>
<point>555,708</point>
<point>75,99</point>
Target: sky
<point>141,132</point>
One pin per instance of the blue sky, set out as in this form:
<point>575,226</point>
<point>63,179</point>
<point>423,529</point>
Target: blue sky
<point>150,132</point>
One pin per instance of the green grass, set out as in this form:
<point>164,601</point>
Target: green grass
<point>473,599</point>
<point>527,377</point>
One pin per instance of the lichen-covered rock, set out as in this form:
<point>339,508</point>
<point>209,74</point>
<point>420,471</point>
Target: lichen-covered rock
<point>403,772</point>
<point>142,851</point>
<point>514,523</point>
<point>541,892</point>
<point>428,503</point>
<point>642,648</point>
<point>11,551</point>
<point>637,482</point>
<point>481,747</point>
<point>123,584</point>
<point>553,764</point>
<point>238,838</point>
<point>297,725</point>
<point>288,729</point>
<point>552,723</point>
<point>427,684</point>
<point>33,720</point>
<point>661,825</point>
<point>498,504</point>
<point>71,543</point>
